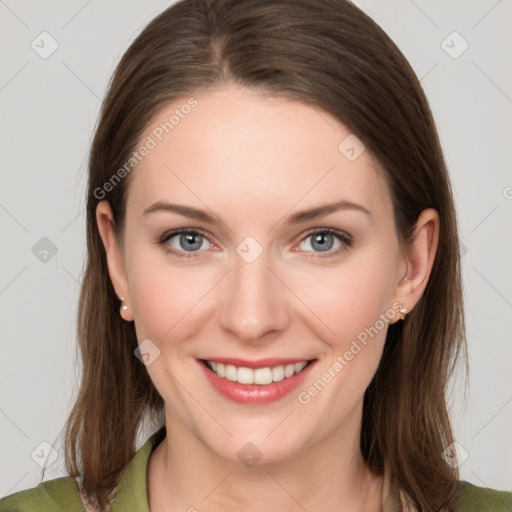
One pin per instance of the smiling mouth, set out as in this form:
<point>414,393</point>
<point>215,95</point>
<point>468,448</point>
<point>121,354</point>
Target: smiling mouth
<point>260,376</point>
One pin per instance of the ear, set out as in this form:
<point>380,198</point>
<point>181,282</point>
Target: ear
<point>115,262</point>
<point>419,259</point>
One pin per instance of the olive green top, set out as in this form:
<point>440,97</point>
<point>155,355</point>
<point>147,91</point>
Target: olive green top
<point>62,494</point>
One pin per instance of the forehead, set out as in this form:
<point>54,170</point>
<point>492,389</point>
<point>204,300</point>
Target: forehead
<point>235,150</point>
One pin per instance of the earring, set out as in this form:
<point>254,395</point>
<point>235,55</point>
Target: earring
<point>403,311</point>
<point>124,307</point>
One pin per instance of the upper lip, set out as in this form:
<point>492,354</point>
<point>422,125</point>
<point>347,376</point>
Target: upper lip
<point>259,363</point>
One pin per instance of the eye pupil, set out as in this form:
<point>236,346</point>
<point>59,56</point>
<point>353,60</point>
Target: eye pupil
<point>188,238</point>
<point>320,238</point>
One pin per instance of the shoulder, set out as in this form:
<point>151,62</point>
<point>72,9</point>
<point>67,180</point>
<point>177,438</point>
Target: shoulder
<point>473,498</point>
<point>59,494</point>
<point>63,494</point>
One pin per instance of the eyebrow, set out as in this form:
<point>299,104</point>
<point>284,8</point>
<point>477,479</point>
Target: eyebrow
<point>296,218</point>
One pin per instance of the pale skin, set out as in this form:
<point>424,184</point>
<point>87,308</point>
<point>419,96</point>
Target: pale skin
<point>252,161</point>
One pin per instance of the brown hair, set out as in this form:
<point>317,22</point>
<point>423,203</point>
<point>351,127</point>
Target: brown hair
<point>329,54</point>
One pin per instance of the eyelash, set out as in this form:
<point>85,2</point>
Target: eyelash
<point>344,238</point>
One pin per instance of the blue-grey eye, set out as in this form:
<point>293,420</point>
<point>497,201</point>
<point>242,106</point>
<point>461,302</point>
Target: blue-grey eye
<point>191,241</point>
<point>321,241</point>
<point>186,241</point>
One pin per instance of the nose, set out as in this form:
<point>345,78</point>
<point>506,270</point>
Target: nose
<point>253,301</point>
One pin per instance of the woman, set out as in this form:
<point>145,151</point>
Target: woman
<point>273,275</point>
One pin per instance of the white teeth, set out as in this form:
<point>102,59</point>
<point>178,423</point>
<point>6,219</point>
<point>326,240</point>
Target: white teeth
<point>260,376</point>
<point>278,373</point>
<point>289,370</point>
<point>231,372</point>
<point>300,366</point>
<point>245,376</point>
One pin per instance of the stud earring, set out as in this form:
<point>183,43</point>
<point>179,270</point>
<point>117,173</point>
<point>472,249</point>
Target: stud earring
<point>124,307</point>
<point>403,311</point>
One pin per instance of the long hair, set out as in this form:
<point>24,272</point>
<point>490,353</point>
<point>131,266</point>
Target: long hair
<point>330,55</point>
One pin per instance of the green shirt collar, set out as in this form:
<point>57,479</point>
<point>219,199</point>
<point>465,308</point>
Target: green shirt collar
<point>131,492</point>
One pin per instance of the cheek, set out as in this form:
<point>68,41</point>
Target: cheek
<point>164,297</point>
<point>351,300</point>
<point>354,303</point>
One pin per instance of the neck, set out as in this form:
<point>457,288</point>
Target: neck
<point>184,474</point>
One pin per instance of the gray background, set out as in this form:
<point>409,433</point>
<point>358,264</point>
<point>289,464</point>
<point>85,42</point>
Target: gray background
<point>49,109</point>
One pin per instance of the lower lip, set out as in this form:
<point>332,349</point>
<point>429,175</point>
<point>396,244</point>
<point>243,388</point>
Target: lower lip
<point>254,393</point>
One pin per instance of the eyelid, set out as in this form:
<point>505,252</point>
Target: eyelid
<point>179,231</point>
<point>337,232</point>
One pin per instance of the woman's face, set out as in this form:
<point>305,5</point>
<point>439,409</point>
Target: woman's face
<point>252,282</point>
